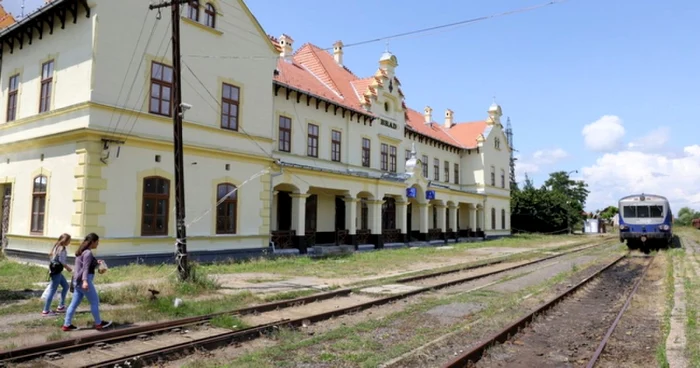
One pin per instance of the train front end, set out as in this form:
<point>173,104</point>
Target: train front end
<point>645,221</point>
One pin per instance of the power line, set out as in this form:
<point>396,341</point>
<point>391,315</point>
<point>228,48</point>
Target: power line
<point>407,33</point>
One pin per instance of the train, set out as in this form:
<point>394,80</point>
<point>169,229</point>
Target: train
<point>646,221</point>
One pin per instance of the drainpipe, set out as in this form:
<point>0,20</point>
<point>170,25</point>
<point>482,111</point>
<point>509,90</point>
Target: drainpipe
<point>272,186</point>
<point>483,217</point>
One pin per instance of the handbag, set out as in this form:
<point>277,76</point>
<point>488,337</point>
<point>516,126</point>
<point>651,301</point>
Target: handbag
<point>55,267</point>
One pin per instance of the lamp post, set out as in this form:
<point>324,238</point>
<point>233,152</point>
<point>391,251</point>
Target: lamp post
<point>568,204</point>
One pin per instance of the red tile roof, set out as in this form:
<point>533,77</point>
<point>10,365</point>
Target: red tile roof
<point>314,70</point>
<point>6,19</point>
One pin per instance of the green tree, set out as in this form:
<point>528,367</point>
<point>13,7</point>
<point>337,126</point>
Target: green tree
<point>609,212</point>
<point>685,216</point>
<point>556,206</point>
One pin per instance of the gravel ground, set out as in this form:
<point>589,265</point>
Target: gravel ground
<point>568,335</point>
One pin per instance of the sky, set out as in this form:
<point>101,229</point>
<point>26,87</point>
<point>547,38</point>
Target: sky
<point>609,88</point>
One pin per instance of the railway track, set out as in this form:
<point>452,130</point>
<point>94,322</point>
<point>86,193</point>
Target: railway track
<point>102,345</point>
<point>525,352</point>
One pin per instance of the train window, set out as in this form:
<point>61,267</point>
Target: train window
<point>656,211</point>
<point>629,211</point>
<point>642,211</point>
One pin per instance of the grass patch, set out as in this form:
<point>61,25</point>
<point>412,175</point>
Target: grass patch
<point>365,344</point>
<point>692,298</point>
<point>669,290</point>
<point>15,276</point>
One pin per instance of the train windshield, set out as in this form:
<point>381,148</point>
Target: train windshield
<point>653,211</point>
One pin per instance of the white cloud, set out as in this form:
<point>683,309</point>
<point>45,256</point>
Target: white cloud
<point>604,134</point>
<point>615,175</point>
<point>655,140</point>
<point>532,164</point>
<point>548,157</point>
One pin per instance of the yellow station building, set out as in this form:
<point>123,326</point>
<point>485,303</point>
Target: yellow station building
<point>314,154</point>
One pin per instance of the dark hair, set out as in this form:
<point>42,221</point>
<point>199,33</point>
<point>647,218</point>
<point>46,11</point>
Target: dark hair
<point>89,239</point>
<point>59,242</point>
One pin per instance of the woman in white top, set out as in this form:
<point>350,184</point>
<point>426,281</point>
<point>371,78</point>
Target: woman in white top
<point>58,257</point>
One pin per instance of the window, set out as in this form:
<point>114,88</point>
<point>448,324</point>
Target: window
<point>365,152</point>
<point>456,168</point>
<point>285,134</point>
<point>497,143</point>
<point>156,206</point>
<point>335,145</point>
<point>436,169</point>
<point>503,219</point>
<point>493,219</point>
<point>389,214</point>
<point>210,15</point>
<point>503,178</point>
<point>229,106</point>
<point>384,159</point>
<point>447,219</point>
<point>447,172</point>
<point>425,166</point>
<point>312,141</point>
<point>161,89</point>
<point>653,211</point>
<point>311,218</point>
<point>193,10</point>
<point>392,159</point>
<point>226,210</point>
<point>493,176</point>
<point>38,204</point>
<point>46,81</point>
<point>12,89</point>
<point>408,155</point>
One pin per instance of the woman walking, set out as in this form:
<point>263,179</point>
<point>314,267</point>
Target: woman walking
<point>58,257</point>
<point>85,265</point>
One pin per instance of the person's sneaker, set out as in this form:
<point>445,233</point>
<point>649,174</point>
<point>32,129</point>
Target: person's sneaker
<point>103,325</point>
<point>61,309</point>
<point>69,328</point>
<point>48,314</point>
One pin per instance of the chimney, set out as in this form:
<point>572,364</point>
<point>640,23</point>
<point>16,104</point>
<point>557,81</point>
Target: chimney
<point>338,52</point>
<point>428,115</point>
<point>448,118</point>
<point>286,42</point>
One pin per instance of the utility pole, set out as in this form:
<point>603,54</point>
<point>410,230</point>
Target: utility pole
<point>181,236</point>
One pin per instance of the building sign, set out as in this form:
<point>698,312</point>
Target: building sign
<point>429,194</point>
<point>411,192</point>
<point>388,123</point>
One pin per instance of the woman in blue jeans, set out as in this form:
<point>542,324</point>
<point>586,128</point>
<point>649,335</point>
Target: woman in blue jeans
<point>58,257</point>
<point>83,275</point>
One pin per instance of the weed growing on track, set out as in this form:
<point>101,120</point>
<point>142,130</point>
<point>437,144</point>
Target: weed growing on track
<point>692,295</point>
<point>670,289</point>
<point>374,341</point>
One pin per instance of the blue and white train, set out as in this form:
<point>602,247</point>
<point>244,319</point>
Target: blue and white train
<point>645,221</point>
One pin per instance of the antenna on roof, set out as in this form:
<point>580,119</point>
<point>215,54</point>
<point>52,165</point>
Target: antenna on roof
<point>386,47</point>
<point>21,15</point>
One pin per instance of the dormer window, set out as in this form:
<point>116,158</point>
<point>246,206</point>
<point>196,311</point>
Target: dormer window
<point>386,106</point>
<point>497,143</point>
<point>210,15</point>
<point>193,10</point>
<point>391,86</point>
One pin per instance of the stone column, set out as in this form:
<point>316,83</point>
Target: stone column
<point>299,220</point>
<point>453,220</point>
<point>351,218</point>
<point>375,221</point>
<point>401,213</point>
<point>423,221</point>
<point>473,223</point>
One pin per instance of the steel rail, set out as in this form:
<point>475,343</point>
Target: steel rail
<point>476,353</point>
<point>604,342</point>
<point>212,342</point>
<point>70,345</point>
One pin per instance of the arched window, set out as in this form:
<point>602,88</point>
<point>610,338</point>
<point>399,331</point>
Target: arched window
<point>155,206</point>
<point>493,219</point>
<point>193,10</point>
<point>503,219</point>
<point>226,209</point>
<point>364,214</point>
<point>210,15</point>
<point>38,204</point>
<point>447,218</point>
<point>389,213</point>
<point>503,178</point>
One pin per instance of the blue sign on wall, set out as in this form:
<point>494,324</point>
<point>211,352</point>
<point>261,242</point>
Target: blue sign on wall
<point>411,192</point>
<point>429,194</point>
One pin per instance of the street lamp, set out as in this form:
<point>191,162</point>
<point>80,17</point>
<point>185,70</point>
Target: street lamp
<point>568,203</point>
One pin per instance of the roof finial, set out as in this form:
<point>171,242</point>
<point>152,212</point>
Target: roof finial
<point>494,99</point>
<point>386,48</point>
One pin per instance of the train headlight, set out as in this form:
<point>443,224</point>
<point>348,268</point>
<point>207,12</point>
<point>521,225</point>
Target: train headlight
<point>623,227</point>
<point>664,227</point>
